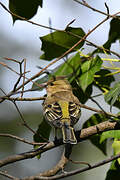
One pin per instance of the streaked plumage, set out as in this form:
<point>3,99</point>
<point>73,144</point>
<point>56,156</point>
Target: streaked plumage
<point>61,108</point>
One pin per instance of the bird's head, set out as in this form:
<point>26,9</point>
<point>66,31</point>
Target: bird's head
<point>58,84</point>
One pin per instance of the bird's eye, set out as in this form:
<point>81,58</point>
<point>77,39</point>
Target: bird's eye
<point>51,84</point>
<point>49,105</point>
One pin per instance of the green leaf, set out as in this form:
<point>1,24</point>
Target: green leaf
<point>73,66</point>
<point>116,147</point>
<point>94,120</point>
<point>95,140</point>
<point>83,96</point>
<point>113,95</point>
<point>114,171</point>
<point>24,8</point>
<point>110,134</point>
<point>70,66</point>
<point>67,68</point>
<point>89,68</point>
<point>56,43</point>
<point>114,32</point>
<point>102,80</point>
<point>43,132</point>
<point>114,35</point>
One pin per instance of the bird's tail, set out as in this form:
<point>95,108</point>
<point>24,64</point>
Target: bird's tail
<point>68,134</point>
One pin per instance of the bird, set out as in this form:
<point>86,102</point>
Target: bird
<point>61,108</point>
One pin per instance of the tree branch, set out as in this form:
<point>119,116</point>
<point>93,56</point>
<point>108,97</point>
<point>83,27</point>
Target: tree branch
<point>84,134</point>
<point>71,173</point>
<point>89,43</point>
<point>84,3</point>
<point>59,166</point>
<point>23,99</point>
<point>99,128</point>
<point>26,155</point>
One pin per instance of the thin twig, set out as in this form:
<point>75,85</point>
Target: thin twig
<point>98,105</point>
<point>69,24</point>
<point>79,162</point>
<point>98,111</point>
<point>97,95</point>
<point>22,18</point>
<point>20,139</point>
<point>84,3</point>
<point>89,43</point>
<point>11,59</point>
<point>24,99</point>
<point>24,122</point>
<point>108,12</point>
<point>19,92</point>
<point>27,155</point>
<point>59,166</point>
<point>5,65</point>
<point>5,174</point>
<point>23,77</point>
<point>21,74</point>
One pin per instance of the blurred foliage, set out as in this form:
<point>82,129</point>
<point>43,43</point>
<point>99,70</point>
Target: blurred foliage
<point>114,171</point>
<point>114,35</point>
<point>16,127</point>
<point>95,140</point>
<point>103,79</point>
<point>43,132</point>
<point>110,134</point>
<point>83,96</point>
<point>116,147</point>
<point>113,96</point>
